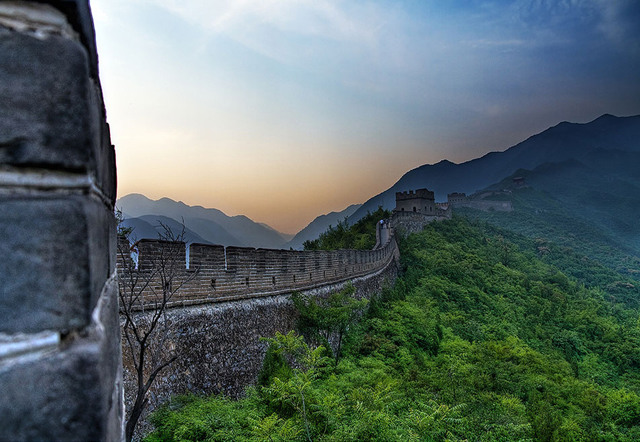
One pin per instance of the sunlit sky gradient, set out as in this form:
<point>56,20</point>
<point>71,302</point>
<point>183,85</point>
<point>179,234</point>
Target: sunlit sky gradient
<point>286,109</point>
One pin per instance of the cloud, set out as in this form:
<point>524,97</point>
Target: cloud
<point>562,21</point>
<point>619,22</point>
<point>330,20</point>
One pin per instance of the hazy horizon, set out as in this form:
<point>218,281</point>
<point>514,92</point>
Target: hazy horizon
<point>285,110</point>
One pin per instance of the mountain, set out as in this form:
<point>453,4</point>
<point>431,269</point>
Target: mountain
<point>150,226</point>
<point>212,231</point>
<point>212,225</point>
<point>590,206</point>
<point>562,142</point>
<point>320,225</point>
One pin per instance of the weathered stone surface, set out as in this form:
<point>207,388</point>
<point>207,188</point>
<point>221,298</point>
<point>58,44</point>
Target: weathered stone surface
<point>54,397</point>
<point>60,351</point>
<point>56,261</point>
<point>45,102</point>
<point>50,390</point>
<point>103,150</point>
<point>78,14</point>
<point>106,322</point>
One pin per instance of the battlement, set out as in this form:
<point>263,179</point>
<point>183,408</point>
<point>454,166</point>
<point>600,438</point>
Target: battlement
<point>418,194</point>
<point>456,197</point>
<point>414,210</point>
<point>215,273</point>
<point>421,201</point>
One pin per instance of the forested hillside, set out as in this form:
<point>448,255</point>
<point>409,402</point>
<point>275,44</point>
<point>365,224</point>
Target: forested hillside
<point>571,224</point>
<point>484,337</point>
<point>359,236</point>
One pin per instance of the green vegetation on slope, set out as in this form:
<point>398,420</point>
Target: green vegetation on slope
<point>479,340</point>
<point>359,236</point>
<point>539,215</point>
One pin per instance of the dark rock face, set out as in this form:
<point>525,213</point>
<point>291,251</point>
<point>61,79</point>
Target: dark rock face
<point>60,353</point>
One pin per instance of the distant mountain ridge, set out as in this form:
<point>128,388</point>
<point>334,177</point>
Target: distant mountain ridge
<point>320,225</point>
<point>209,225</point>
<point>151,227</point>
<point>609,145</point>
<point>562,142</point>
<point>601,190</point>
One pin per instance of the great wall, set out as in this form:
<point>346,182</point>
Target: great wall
<point>231,297</point>
<point>61,367</point>
<point>214,273</point>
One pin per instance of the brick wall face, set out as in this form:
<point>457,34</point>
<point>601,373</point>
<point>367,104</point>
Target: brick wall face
<point>231,273</point>
<point>60,360</point>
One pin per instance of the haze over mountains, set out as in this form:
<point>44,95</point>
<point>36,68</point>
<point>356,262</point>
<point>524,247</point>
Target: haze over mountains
<point>562,142</point>
<point>593,169</point>
<point>202,224</point>
<point>321,224</point>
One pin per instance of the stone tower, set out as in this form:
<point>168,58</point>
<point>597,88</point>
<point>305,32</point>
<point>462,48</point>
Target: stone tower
<point>421,201</point>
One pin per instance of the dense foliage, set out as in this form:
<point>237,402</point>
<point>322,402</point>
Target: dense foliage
<point>479,340</point>
<point>542,216</point>
<point>359,236</point>
<point>321,319</point>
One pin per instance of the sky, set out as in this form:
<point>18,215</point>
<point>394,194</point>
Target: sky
<point>283,110</point>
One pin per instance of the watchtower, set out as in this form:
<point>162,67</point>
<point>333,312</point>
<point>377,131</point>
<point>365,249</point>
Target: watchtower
<point>421,201</point>
<point>456,197</point>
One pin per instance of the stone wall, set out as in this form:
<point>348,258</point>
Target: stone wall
<point>485,205</point>
<point>60,363</point>
<point>219,344</point>
<point>480,201</point>
<point>222,274</point>
<point>405,223</point>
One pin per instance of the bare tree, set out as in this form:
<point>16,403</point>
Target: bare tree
<point>145,292</point>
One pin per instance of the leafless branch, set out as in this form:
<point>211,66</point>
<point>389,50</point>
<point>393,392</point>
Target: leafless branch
<point>145,293</point>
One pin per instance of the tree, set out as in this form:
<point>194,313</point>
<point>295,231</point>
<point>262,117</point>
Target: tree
<point>145,293</point>
<point>320,319</point>
<point>294,392</point>
<point>360,236</point>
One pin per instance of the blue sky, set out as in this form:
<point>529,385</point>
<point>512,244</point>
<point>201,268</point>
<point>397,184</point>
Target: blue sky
<point>284,110</point>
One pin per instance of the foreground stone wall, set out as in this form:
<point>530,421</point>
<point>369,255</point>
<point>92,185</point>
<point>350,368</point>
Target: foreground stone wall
<point>220,344</point>
<point>60,363</point>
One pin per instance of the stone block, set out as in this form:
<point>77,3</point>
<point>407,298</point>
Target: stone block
<point>45,102</point>
<point>55,263</point>
<point>65,395</point>
<point>78,14</point>
<point>107,329</point>
<point>102,149</point>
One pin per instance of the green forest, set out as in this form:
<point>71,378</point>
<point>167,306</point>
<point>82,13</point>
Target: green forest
<point>359,236</point>
<point>485,336</point>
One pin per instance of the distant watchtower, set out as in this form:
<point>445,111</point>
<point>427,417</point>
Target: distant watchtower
<point>421,201</point>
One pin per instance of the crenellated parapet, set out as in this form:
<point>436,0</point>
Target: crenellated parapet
<point>214,273</point>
